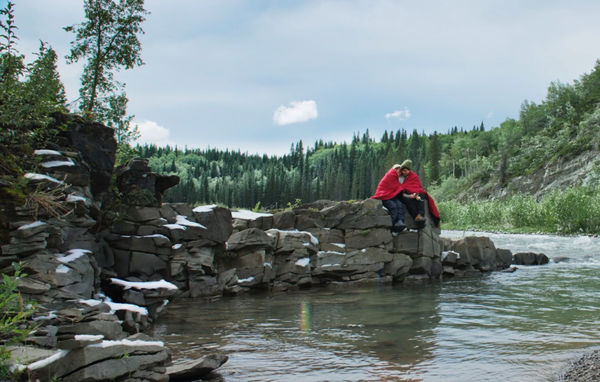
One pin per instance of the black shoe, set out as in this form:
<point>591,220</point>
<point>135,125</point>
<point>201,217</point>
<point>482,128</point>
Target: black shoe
<point>398,227</point>
<point>420,223</point>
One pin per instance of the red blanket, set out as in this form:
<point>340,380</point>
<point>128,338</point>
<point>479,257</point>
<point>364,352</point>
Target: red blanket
<point>389,186</point>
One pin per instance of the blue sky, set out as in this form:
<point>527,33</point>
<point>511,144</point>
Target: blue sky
<point>259,75</point>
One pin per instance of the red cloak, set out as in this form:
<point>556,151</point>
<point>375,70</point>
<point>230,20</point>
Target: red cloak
<point>389,186</point>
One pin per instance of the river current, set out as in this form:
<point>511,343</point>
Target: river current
<point>521,326</point>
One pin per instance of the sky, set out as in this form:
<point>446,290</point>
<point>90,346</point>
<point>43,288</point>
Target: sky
<point>260,75</point>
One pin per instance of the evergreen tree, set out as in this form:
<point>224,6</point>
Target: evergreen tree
<point>11,69</point>
<point>434,154</point>
<point>43,86</point>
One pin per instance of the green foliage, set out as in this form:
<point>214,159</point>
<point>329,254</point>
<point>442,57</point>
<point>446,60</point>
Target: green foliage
<point>124,154</point>
<point>29,95</point>
<point>108,39</point>
<point>14,314</point>
<point>565,211</point>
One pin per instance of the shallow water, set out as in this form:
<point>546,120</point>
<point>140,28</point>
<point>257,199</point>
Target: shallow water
<point>521,326</point>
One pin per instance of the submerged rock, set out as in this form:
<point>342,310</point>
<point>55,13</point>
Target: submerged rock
<point>196,369</point>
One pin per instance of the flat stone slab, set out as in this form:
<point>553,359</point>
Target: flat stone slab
<point>194,369</point>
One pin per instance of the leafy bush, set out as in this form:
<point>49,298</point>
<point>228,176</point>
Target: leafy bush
<point>14,313</point>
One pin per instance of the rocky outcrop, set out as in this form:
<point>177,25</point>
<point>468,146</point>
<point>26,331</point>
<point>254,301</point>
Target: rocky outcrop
<point>82,334</point>
<point>140,185</point>
<point>95,144</point>
<point>558,175</point>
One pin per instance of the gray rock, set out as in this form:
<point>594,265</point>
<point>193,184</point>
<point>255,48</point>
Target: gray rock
<point>366,214</point>
<point>29,285</point>
<point>450,257</point>
<point>183,209</point>
<point>525,258</point>
<point>308,218</point>
<point>251,237</point>
<point>368,256</point>
<point>146,264</point>
<point>122,259</point>
<point>418,243</point>
<point>69,342</point>
<point>327,260</point>
<point>421,265</point>
<point>358,239</point>
<point>196,369</point>
<point>504,258</point>
<point>111,330</point>
<point>299,242</point>
<point>204,286</point>
<point>333,215</point>
<point>262,222</point>
<point>29,229</point>
<point>480,250</point>
<point>105,361</point>
<point>142,214</point>
<point>167,212</point>
<point>111,368</point>
<point>284,220</point>
<point>218,223</point>
<point>327,235</point>
<point>399,266</point>
<point>585,369</point>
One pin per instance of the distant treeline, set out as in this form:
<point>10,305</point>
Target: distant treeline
<point>563,125</point>
<point>324,171</point>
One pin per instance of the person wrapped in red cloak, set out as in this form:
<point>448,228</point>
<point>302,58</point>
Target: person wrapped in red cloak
<point>401,188</point>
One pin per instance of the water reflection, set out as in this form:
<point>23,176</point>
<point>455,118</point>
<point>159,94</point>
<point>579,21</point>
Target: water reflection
<point>305,317</point>
<point>366,333</point>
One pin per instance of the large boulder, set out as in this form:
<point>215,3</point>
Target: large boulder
<point>373,237</point>
<point>196,369</point>
<point>478,251</point>
<point>418,243</point>
<point>97,145</point>
<point>216,221</point>
<point>530,258</point>
<point>251,237</point>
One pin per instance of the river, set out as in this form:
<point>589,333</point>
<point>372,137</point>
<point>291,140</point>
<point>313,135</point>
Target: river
<point>521,326</point>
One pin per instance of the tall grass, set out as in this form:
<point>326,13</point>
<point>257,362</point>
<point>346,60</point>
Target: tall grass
<point>570,211</point>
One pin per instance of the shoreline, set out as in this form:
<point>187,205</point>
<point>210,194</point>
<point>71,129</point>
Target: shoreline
<point>585,369</point>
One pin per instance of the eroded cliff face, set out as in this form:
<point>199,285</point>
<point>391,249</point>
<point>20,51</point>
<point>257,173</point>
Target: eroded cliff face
<point>581,170</point>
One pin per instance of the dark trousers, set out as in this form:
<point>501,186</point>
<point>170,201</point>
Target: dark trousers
<point>396,209</point>
<point>414,206</point>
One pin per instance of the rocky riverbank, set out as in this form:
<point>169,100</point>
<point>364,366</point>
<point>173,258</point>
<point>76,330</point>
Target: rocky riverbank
<point>103,264</point>
<point>585,369</point>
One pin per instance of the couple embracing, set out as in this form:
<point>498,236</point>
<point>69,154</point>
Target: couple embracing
<point>401,188</point>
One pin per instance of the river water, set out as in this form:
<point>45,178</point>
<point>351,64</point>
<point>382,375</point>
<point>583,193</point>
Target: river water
<point>521,326</point>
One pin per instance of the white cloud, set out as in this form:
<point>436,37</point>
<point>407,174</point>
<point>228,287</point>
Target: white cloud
<point>399,114</point>
<point>298,111</point>
<point>152,132</point>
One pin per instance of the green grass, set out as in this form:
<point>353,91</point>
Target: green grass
<point>570,211</point>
